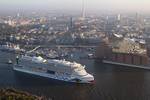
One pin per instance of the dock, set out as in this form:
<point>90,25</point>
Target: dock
<point>128,65</point>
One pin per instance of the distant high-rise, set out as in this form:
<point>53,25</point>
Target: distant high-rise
<point>118,20</point>
<point>119,17</point>
<point>107,18</point>
<point>18,14</point>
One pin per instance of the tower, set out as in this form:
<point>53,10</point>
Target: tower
<point>83,9</point>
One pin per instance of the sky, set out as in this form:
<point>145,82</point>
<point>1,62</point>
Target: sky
<point>90,5</point>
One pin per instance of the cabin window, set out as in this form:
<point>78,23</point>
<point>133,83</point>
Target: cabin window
<point>40,68</point>
<point>67,74</point>
<point>20,66</point>
<point>77,80</point>
<point>50,72</point>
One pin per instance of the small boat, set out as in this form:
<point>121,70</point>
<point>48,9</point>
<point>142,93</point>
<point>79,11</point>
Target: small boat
<point>9,62</point>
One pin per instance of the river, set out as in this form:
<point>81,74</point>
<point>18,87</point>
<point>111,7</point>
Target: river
<point>112,82</point>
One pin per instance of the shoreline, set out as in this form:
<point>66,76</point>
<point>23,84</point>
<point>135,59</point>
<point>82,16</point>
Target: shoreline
<point>14,94</point>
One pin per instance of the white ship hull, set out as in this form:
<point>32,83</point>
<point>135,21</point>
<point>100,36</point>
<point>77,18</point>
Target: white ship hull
<point>64,78</point>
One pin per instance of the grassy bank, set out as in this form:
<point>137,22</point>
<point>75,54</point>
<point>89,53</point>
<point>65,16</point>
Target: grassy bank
<point>13,94</point>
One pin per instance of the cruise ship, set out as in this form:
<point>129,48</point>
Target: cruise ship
<point>61,70</point>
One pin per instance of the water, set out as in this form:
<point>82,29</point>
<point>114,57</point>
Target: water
<point>112,83</point>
